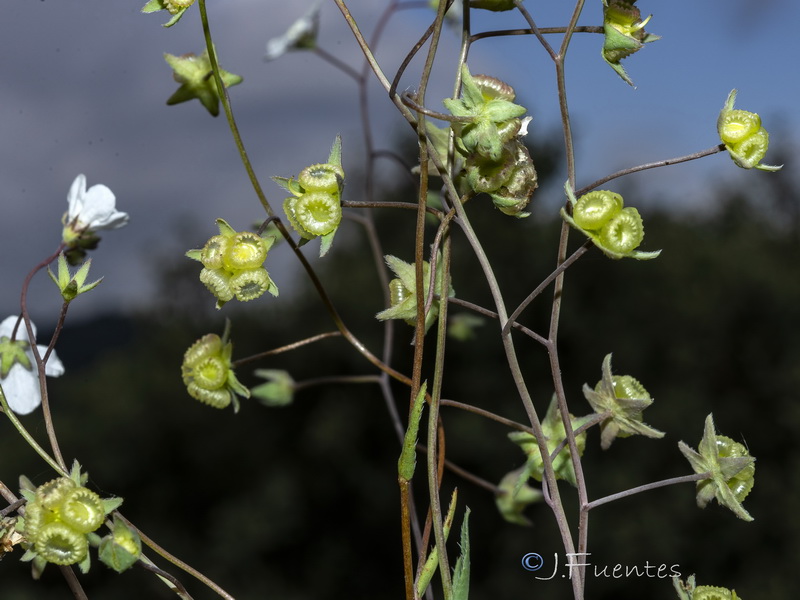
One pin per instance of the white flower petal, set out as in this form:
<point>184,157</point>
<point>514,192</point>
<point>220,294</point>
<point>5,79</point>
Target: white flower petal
<point>93,209</point>
<point>54,367</point>
<point>21,388</point>
<point>75,197</point>
<point>301,34</point>
<point>7,328</point>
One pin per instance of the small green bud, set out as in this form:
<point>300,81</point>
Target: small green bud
<point>69,285</point>
<point>277,391</point>
<point>197,79</point>
<point>121,548</point>
<point>516,495</point>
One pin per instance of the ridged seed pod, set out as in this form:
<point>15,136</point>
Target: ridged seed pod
<point>710,592</point>
<point>492,88</point>
<point>60,544</point>
<point>737,125</point>
<point>749,152</point>
<point>741,483</point>
<point>318,213</point>
<point>595,209</point>
<point>218,283</point>
<point>51,495</point>
<point>624,232</point>
<point>626,386</point>
<point>250,284</point>
<point>82,510</point>
<point>213,253</point>
<point>323,177</point>
<point>175,6</point>
<point>246,251</point>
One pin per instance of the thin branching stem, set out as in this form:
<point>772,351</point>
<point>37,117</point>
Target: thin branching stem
<point>286,348</point>
<point>645,488</point>
<point>547,281</point>
<point>58,468</point>
<point>150,543</point>
<point>543,30</point>
<point>40,362</point>
<point>490,313</point>
<point>72,582</point>
<point>652,165</point>
<point>488,414</point>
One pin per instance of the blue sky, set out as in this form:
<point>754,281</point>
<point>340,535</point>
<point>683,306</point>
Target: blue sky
<point>85,85</point>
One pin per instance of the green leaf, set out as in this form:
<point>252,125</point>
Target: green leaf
<point>408,455</point>
<point>432,563</point>
<point>461,573</point>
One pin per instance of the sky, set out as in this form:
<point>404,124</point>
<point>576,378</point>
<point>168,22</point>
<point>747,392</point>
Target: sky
<point>85,86</point>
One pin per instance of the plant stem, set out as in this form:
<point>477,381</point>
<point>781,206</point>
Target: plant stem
<point>644,488</point>
<point>176,561</point>
<point>652,165</point>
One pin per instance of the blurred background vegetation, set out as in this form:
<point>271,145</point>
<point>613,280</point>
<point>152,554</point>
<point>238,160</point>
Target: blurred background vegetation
<point>302,502</point>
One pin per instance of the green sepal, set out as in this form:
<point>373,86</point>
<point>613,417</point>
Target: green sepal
<point>157,5</point>
<point>335,156</point>
<point>278,389</point>
<point>195,254</point>
<point>86,563</point>
<point>462,568</point>
<point>326,241</point>
<point>224,228</point>
<point>408,456</point>
<point>70,285</point>
<point>432,562</point>
<point>75,474</point>
<point>153,6</point>
<point>291,185</point>
<point>111,504</point>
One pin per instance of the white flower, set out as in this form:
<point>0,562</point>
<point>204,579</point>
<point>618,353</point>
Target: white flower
<point>18,374</point>
<point>91,210</point>
<point>302,35</point>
